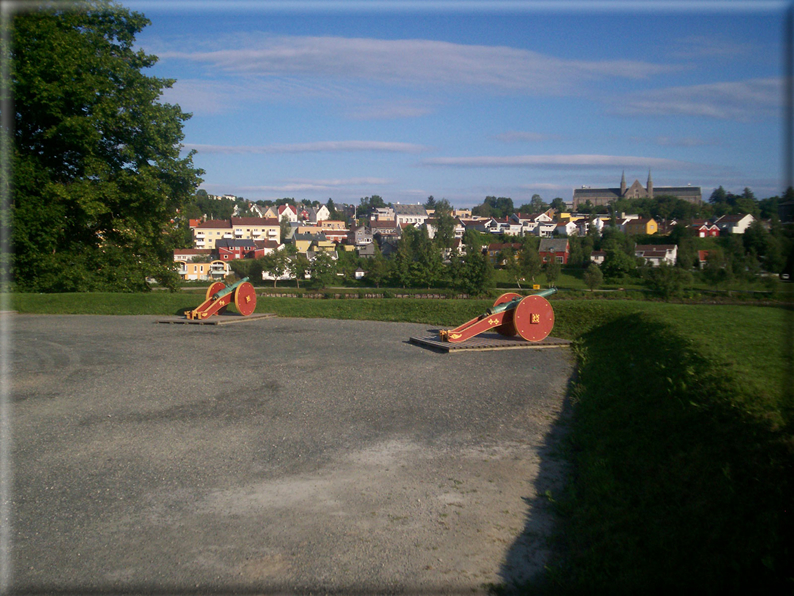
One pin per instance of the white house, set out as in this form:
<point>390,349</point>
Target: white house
<point>567,228</point>
<point>656,254</point>
<point>734,224</point>
<point>410,214</point>
<point>289,211</point>
<point>545,229</point>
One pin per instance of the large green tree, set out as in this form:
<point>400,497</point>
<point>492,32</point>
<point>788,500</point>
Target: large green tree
<point>97,173</point>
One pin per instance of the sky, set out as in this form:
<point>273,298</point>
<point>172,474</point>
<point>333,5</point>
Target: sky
<point>463,100</point>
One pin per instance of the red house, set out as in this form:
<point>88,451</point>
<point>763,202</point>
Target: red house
<point>554,248</point>
<point>705,229</point>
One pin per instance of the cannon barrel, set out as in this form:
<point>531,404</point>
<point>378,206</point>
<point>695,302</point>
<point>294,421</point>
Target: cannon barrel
<point>229,289</point>
<point>515,301</point>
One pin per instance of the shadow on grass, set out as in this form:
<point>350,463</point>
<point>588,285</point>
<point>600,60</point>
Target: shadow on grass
<point>678,478</point>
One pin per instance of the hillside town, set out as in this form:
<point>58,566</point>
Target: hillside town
<point>300,232</point>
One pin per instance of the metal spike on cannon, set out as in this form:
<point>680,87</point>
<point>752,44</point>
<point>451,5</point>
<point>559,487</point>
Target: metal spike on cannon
<point>530,317</point>
<point>219,296</point>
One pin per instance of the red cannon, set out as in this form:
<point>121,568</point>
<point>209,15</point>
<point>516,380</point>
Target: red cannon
<point>219,296</point>
<point>530,317</point>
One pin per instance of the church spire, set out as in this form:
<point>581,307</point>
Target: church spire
<point>623,184</point>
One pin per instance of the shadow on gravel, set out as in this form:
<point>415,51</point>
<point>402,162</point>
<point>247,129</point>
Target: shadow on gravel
<point>527,559</point>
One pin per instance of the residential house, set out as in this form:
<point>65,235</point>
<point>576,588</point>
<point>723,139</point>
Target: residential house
<point>366,250</point>
<point>656,254</point>
<point>204,271</point>
<point>207,233</point>
<point>229,249</point>
<point>703,258</point>
<point>288,211</point>
<point>188,254</point>
<point>583,226</point>
<point>598,256</point>
<point>462,213</point>
<point>530,221</point>
<point>704,228</point>
<point>566,228</point>
<point>410,214</point>
<point>734,224</point>
<point>495,248</point>
<point>503,226</point>
<point>359,235</point>
<point>359,273</point>
<point>302,242</point>
<point>256,228</point>
<point>474,224</point>
<point>545,229</point>
<point>640,226</point>
<point>383,227</point>
<point>554,248</point>
<point>322,243</point>
<point>270,212</point>
<point>382,214</point>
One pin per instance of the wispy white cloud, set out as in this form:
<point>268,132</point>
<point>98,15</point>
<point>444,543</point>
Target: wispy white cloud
<point>741,100</point>
<point>559,161</point>
<point>667,141</point>
<point>388,110</point>
<point>513,136</point>
<point>413,62</point>
<point>319,146</point>
<point>545,186</point>
<point>328,183</point>
<point>702,46</point>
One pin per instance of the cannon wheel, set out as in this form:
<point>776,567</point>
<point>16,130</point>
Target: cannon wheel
<point>507,327</point>
<point>214,288</point>
<point>534,318</point>
<point>245,299</point>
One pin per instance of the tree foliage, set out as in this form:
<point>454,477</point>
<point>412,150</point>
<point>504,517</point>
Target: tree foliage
<point>323,270</point>
<point>97,172</point>
<point>593,276</point>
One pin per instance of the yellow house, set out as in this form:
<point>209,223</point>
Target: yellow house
<point>203,271</point>
<point>324,245</point>
<point>641,226</point>
<point>205,234</point>
<point>332,224</point>
<point>308,230</point>
<point>303,242</point>
<point>256,228</point>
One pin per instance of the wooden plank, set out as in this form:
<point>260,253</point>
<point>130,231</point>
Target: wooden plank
<point>489,341</point>
<point>223,319</point>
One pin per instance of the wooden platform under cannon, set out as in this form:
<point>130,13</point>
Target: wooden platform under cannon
<point>221,319</point>
<point>489,341</point>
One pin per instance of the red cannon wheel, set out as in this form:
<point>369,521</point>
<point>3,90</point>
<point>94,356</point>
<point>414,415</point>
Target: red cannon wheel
<point>214,288</point>
<point>507,327</point>
<point>533,318</point>
<point>245,299</point>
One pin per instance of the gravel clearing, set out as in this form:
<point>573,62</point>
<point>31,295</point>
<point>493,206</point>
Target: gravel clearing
<point>277,456</point>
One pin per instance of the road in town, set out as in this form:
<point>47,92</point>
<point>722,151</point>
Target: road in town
<point>276,455</point>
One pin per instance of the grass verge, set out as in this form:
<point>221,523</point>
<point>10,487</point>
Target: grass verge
<point>683,461</point>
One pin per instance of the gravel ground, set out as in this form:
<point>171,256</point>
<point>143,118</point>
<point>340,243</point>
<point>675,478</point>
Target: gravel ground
<point>274,456</point>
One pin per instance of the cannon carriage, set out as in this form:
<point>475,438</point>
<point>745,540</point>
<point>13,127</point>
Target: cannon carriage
<point>529,317</point>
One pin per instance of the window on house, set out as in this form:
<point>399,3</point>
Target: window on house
<point>559,260</point>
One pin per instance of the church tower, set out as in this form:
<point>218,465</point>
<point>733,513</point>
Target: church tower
<point>650,185</point>
<point>623,184</point>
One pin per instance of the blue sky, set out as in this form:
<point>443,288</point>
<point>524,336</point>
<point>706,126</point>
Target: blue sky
<point>464,100</point>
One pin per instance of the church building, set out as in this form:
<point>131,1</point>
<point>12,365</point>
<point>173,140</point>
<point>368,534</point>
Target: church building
<point>604,196</point>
